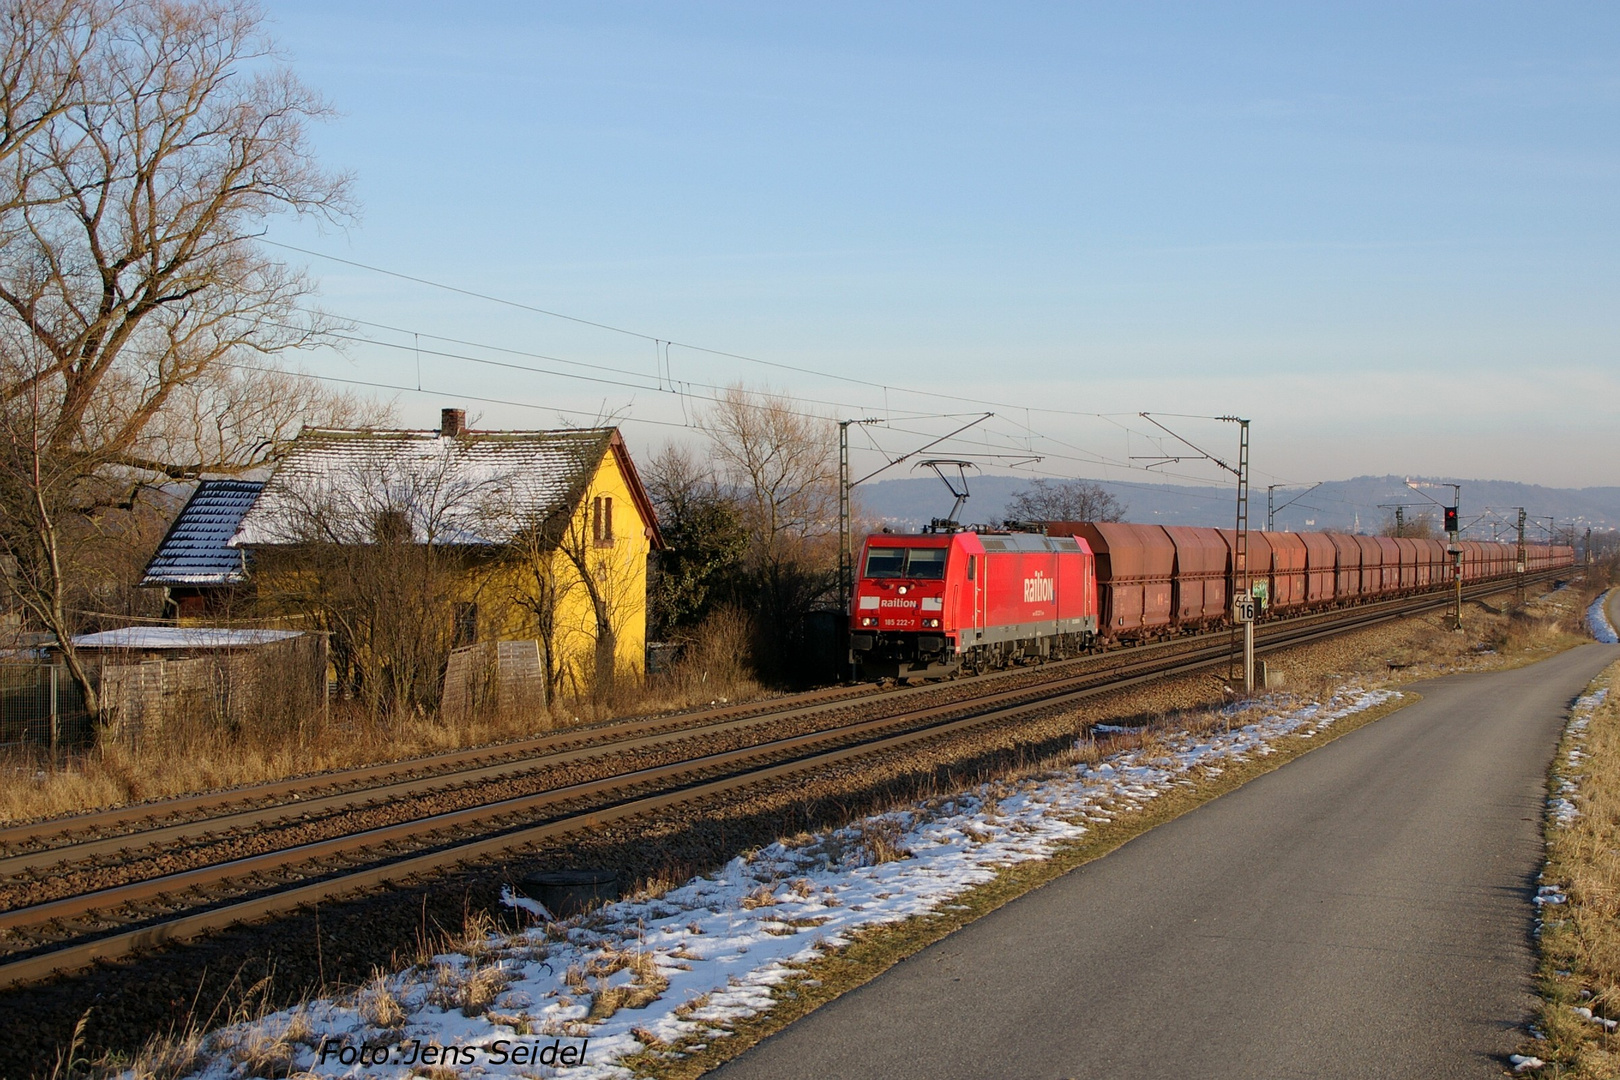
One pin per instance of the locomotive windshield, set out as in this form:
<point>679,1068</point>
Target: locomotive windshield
<point>894,562</point>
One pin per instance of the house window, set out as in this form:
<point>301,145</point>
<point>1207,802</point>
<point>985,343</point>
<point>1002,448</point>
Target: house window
<point>602,520</point>
<point>466,627</point>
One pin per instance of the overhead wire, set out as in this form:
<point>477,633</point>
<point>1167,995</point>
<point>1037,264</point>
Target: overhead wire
<point>664,382</point>
<point>1025,434</point>
<point>746,358</point>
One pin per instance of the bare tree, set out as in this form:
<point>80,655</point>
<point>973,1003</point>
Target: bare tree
<point>389,554</point>
<point>543,595</point>
<point>571,557</point>
<point>1064,500</point>
<point>781,466</point>
<point>1421,527</point>
<point>143,143</point>
<point>705,538</point>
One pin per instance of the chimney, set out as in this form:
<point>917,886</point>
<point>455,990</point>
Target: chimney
<point>452,422</point>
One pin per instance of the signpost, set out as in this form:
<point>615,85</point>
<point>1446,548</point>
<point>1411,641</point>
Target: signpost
<point>1243,614</point>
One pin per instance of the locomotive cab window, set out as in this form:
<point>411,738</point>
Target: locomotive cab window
<point>891,562</point>
<point>885,562</point>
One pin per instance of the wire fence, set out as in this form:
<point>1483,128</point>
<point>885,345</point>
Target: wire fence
<point>41,707</point>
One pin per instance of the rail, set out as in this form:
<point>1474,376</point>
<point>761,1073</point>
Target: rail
<point>73,931</point>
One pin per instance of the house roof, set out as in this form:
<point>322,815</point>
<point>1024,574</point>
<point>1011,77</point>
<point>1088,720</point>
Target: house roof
<point>180,637</point>
<point>196,549</point>
<point>476,488</point>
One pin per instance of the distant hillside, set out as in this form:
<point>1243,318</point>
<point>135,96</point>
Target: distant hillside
<point>1348,505</point>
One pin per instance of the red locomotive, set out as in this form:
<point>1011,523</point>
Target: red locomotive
<point>930,603</point>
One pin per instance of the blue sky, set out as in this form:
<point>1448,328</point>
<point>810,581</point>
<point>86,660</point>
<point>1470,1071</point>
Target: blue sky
<point>1386,233</point>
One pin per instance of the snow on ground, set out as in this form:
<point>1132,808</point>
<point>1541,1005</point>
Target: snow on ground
<point>1564,807</point>
<point>682,966</point>
<point>1562,803</point>
<point>1597,618</point>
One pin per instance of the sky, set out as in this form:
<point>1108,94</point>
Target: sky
<point>1384,233</point>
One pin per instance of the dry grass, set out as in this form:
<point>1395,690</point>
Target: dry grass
<point>879,841</point>
<point>378,1004</point>
<point>1580,938</point>
<point>189,757</point>
<point>646,985</point>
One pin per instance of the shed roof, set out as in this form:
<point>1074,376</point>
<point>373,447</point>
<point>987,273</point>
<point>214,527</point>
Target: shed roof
<point>180,637</point>
<point>196,550</point>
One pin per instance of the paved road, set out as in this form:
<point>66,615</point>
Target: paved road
<point>1362,912</point>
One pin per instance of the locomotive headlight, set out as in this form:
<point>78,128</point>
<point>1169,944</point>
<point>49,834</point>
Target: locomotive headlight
<point>931,622</point>
<point>868,620</point>
<point>902,590</point>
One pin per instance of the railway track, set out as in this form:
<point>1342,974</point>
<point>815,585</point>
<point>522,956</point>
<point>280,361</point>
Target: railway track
<point>443,811</point>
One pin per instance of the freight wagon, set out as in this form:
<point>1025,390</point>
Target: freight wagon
<point>928,604</point>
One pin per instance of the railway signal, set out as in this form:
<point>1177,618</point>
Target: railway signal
<point>1453,531</point>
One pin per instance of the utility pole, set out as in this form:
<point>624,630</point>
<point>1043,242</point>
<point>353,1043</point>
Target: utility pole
<point>1243,601</point>
<point>1455,514</point>
<point>846,558</point>
<point>1518,565</point>
<point>1242,553</point>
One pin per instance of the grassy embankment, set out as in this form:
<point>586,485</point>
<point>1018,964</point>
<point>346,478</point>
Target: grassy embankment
<point>1580,937</point>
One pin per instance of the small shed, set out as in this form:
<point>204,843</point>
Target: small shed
<point>152,677</point>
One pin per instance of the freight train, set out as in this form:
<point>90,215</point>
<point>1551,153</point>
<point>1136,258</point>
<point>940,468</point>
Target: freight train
<point>932,603</point>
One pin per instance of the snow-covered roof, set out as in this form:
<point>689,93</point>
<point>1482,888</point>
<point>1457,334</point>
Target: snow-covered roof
<point>196,550</point>
<point>472,488</point>
<point>180,637</point>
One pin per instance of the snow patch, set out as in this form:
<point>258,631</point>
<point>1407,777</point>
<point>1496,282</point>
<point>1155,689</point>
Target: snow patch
<point>642,974</point>
<point>1601,1021</point>
<point>1597,620</point>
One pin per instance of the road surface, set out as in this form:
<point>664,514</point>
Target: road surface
<point>1363,911</point>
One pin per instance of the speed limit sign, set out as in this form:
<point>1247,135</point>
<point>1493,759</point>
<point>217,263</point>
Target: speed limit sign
<point>1243,609</point>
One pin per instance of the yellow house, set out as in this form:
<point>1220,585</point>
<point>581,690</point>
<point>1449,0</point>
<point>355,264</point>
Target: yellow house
<point>405,545</point>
